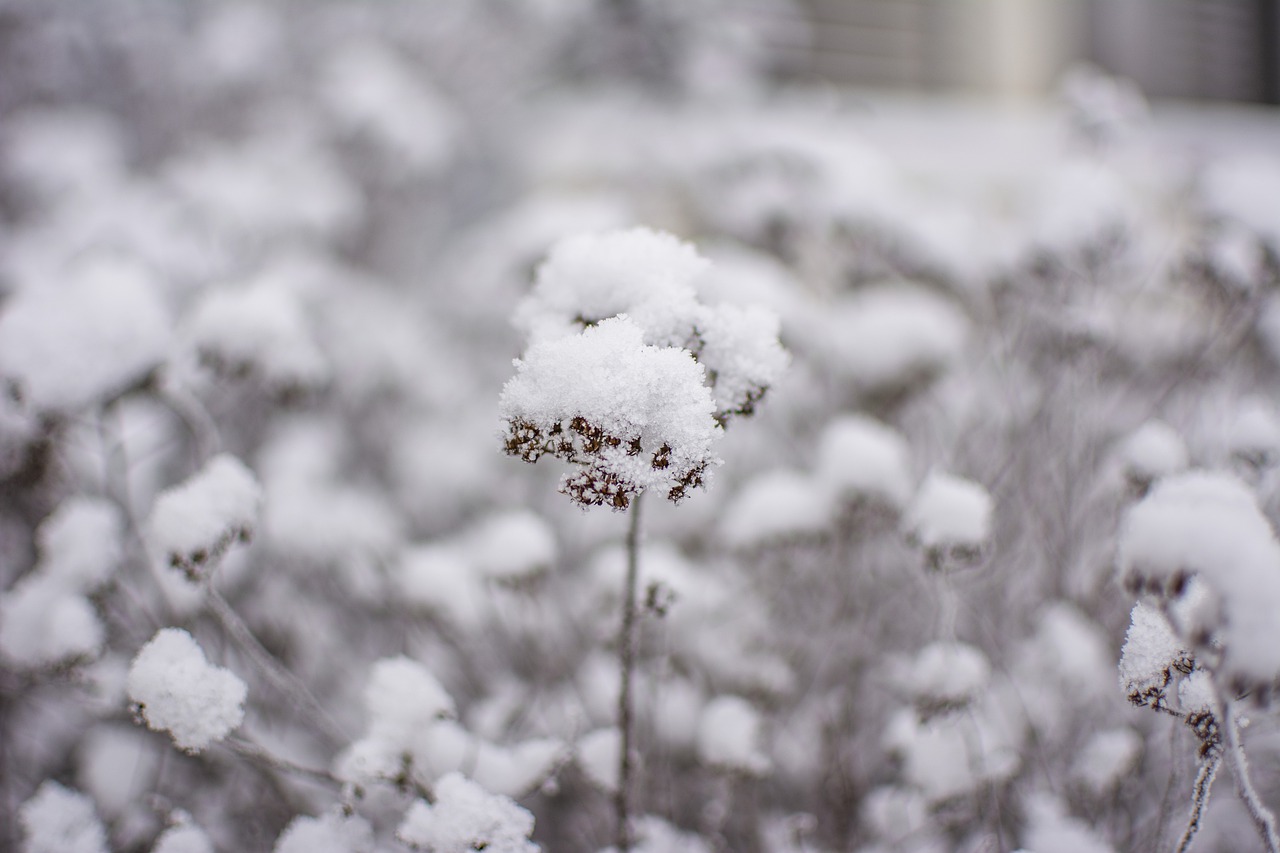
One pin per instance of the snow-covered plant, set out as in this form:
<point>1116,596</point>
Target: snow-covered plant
<point>58,820</point>
<point>177,690</point>
<point>194,524</point>
<point>465,817</point>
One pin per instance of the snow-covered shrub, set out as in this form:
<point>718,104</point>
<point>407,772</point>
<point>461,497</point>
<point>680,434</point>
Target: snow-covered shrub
<point>178,691</point>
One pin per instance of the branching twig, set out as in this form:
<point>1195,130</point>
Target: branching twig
<point>1199,798</point>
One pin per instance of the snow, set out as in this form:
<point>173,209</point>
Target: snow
<point>637,416</point>
<point>598,754</point>
<point>331,832</point>
<point>82,542</point>
<point>949,513</point>
<point>646,274</point>
<point>1254,434</point>
<point>1150,656</point>
<point>42,623</point>
<point>887,337</point>
<point>401,698</point>
<point>947,674</point>
<point>777,506</point>
<point>178,691</point>
<point>1105,759</point>
<point>59,820</point>
<point>194,523</point>
<point>861,457</point>
<point>1152,451</point>
<point>183,837</point>
<point>116,765</point>
<point>1209,524</point>
<point>1052,830</point>
<point>465,818</point>
<point>1246,190</point>
<point>729,736</point>
<point>652,834</point>
<point>512,545</point>
<point>79,341</point>
<point>258,329</point>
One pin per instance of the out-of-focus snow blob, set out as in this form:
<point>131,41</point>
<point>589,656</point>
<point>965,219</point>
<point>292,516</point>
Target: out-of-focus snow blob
<point>465,818</point>
<point>331,832</point>
<point>865,460</point>
<point>1106,757</point>
<point>59,820</point>
<point>194,523</point>
<point>1050,829</point>
<point>1150,452</point>
<point>633,416</point>
<point>82,542</point>
<point>597,755</point>
<point>729,736</point>
<point>43,623</point>
<point>70,344</point>
<point>1208,525</point>
<point>512,546</point>
<point>185,837</point>
<point>178,691</point>
<point>950,518</point>
<point>777,507</point>
<point>1246,190</point>
<point>1254,435</point>
<point>945,676</point>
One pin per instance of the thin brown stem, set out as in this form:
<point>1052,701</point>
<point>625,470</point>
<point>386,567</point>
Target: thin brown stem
<point>627,653</point>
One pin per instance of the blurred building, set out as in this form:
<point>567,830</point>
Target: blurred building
<point>1198,49</point>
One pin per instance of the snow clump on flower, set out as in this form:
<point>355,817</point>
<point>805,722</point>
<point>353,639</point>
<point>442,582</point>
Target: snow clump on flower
<point>951,519</point>
<point>634,416</point>
<point>1152,451</point>
<point>465,818</point>
<point>946,676</point>
<point>1208,525</point>
<point>1152,653</point>
<point>193,524</point>
<point>729,736</point>
<point>185,837</point>
<point>863,458</point>
<point>329,833</point>
<point>58,820</point>
<point>178,691</point>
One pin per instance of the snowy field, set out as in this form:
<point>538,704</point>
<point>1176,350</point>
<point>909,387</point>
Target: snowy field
<point>907,468</point>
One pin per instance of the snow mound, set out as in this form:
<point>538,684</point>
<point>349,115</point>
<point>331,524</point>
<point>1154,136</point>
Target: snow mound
<point>178,691</point>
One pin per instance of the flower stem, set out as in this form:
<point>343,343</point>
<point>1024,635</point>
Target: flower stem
<point>1263,819</point>
<point>627,653</point>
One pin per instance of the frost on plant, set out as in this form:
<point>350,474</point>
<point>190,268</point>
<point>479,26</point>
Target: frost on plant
<point>331,832</point>
<point>193,524</point>
<point>465,818</point>
<point>178,691</point>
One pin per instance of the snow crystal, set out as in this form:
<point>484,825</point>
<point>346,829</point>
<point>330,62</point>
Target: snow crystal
<point>178,691</point>
<point>259,330</point>
<point>1151,655</point>
<point>186,837</point>
<point>950,515</point>
<point>194,523</point>
<point>465,818</point>
<point>59,820</point>
<point>1051,830</point>
<point>87,338</point>
<point>1152,451</point>
<point>42,623</point>
<point>82,542</point>
<point>637,416</point>
<point>729,736</point>
<point>1106,757</point>
<point>330,833</point>
<point>1197,694</point>
<point>1210,524</point>
<point>947,675</point>
<point>512,545</point>
<point>777,506</point>
<point>598,754</point>
<point>859,456</point>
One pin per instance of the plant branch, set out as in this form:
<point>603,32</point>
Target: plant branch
<point>1199,797</point>
<point>1263,819</point>
<point>627,654</point>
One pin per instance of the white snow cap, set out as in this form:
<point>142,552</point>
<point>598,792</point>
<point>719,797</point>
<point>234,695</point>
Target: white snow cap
<point>1050,829</point>
<point>195,522</point>
<point>778,506</point>
<point>1152,653</point>
<point>511,545</point>
<point>466,818</point>
<point>59,820</point>
<point>1105,758</point>
<point>1208,524</point>
<point>186,837</point>
<point>1152,451</point>
<point>178,691</point>
<point>73,344</point>
<point>637,416</point>
<point>598,754</point>
<point>861,457</point>
<point>329,833</point>
<point>402,697</point>
<point>43,623</point>
<point>729,736</point>
<point>948,674</point>
<point>949,514</point>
